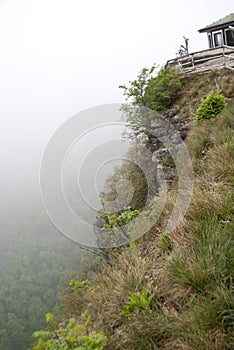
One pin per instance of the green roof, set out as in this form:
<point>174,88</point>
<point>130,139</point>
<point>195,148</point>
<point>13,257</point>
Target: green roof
<point>220,22</point>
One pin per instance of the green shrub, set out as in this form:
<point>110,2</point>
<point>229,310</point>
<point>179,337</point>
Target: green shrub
<point>138,303</point>
<point>163,90</point>
<point>166,244</point>
<point>71,335</point>
<point>111,220</point>
<point>79,286</point>
<point>210,106</point>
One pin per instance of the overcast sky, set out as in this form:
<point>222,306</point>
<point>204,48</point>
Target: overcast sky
<point>59,57</point>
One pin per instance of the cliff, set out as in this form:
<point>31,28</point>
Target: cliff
<point>172,289</point>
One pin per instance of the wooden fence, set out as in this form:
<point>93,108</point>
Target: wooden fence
<point>201,61</point>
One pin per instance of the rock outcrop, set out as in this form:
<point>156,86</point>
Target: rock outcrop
<point>168,131</point>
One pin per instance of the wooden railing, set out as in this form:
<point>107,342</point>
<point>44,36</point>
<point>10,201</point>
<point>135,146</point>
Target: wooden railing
<point>222,56</point>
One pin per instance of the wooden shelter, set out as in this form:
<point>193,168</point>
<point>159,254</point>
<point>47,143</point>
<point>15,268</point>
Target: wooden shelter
<point>220,32</point>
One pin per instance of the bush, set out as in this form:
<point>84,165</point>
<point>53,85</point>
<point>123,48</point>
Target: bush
<point>71,335</point>
<point>138,303</point>
<point>163,90</point>
<point>79,286</point>
<point>210,106</point>
<point>147,94</point>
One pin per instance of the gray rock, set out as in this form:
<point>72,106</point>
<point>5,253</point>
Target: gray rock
<point>176,119</point>
<point>159,155</point>
<point>185,128</point>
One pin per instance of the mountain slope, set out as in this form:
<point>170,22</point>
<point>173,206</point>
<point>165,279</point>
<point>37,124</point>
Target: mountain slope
<point>175,290</point>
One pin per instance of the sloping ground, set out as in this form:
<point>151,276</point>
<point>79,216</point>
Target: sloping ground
<point>176,289</point>
<point>197,86</point>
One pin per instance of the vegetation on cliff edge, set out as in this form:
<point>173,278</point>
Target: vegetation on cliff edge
<point>175,290</point>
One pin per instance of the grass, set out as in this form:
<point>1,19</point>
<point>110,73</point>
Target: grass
<point>208,261</point>
<point>198,86</point>
<point>193,280</point>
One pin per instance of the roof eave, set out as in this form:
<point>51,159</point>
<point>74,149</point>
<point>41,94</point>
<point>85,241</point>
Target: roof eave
<point>209,29</point>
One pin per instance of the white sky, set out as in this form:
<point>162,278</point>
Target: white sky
<point>59,57</point>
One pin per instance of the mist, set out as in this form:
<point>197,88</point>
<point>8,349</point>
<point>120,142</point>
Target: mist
<point>59,58</point>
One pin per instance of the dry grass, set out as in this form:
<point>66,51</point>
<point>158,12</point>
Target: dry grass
<point>197,86</point>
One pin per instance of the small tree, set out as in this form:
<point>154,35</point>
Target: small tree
<point>147,95</point>
<point>136,90</point>
<point>210,106</point>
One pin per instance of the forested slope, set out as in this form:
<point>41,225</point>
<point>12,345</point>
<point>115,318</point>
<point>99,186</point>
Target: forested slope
<point>36,262</point>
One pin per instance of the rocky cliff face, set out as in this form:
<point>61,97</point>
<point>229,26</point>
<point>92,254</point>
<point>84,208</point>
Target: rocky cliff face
<point>166,136</point>
<point>168,131</point>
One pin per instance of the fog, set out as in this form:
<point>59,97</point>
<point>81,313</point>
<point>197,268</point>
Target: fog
<point>61,57</point>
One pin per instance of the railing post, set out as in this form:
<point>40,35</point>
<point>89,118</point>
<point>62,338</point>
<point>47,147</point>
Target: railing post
<point>224,57</point>
<point>193,62</point>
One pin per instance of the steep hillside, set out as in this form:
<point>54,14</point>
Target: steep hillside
<point>169,290</point>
